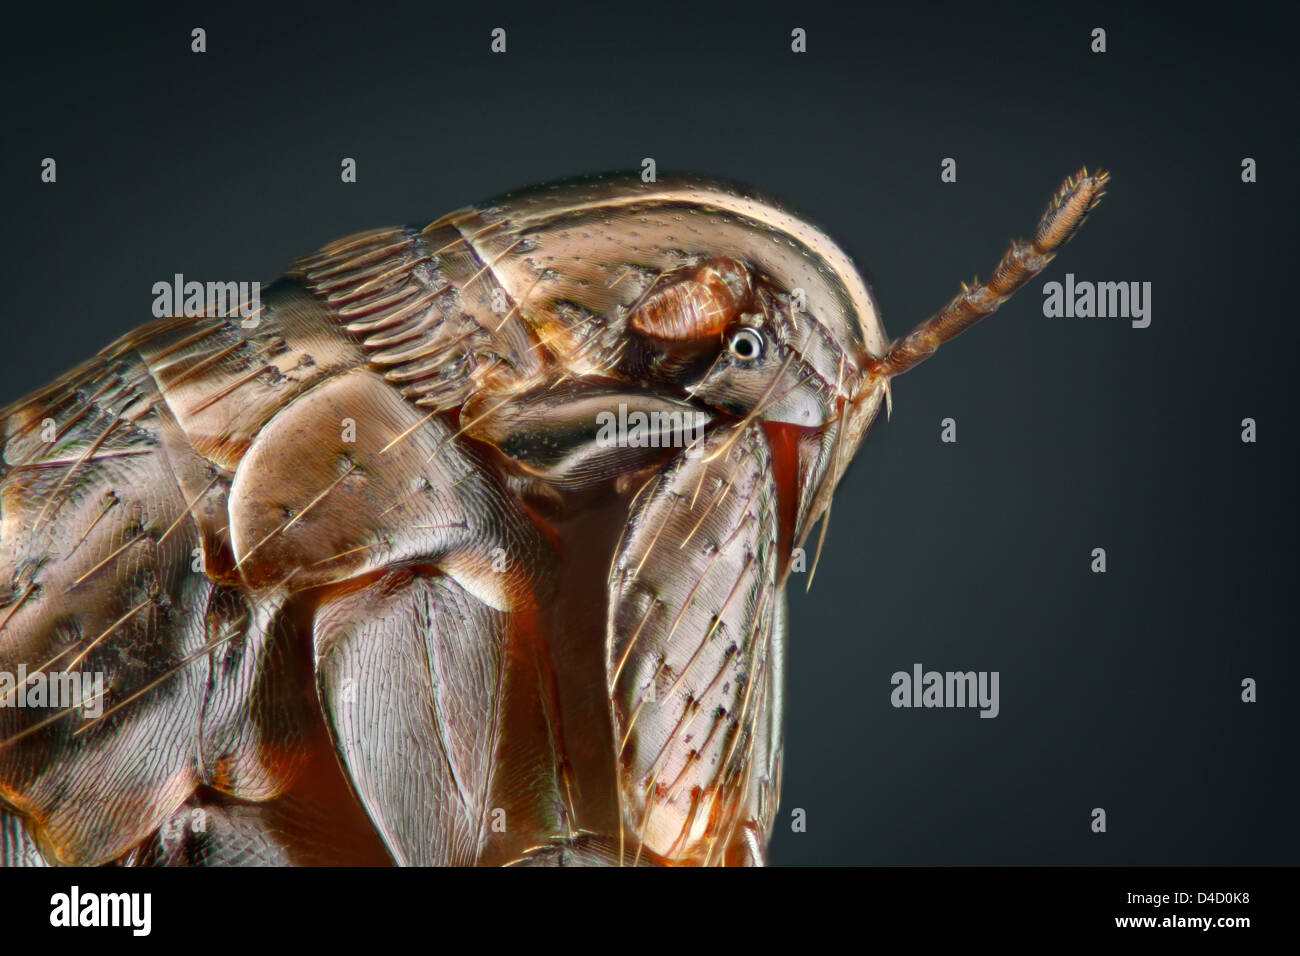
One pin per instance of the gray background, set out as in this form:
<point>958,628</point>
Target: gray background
<point>1118,690</point>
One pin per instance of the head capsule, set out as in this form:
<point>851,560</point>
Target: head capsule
<point>692,289</point>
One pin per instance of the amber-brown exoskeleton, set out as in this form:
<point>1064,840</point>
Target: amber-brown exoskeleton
<point>469,547</point>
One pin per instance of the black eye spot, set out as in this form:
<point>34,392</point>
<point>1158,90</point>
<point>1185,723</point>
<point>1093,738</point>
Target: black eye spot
<point>746,344</point>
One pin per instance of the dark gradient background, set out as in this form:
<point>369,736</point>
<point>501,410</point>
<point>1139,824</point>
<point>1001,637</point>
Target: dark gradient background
<point>1119,690</point>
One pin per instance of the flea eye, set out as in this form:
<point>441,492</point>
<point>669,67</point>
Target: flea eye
<point>746,344</point>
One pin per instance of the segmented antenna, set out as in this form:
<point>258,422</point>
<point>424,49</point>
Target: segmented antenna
<point>1066,213</point>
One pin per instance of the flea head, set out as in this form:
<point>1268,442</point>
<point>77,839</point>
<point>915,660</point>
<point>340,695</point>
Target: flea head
<point>697,292</point>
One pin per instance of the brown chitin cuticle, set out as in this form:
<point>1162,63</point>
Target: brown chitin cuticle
<point>698,307</point>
